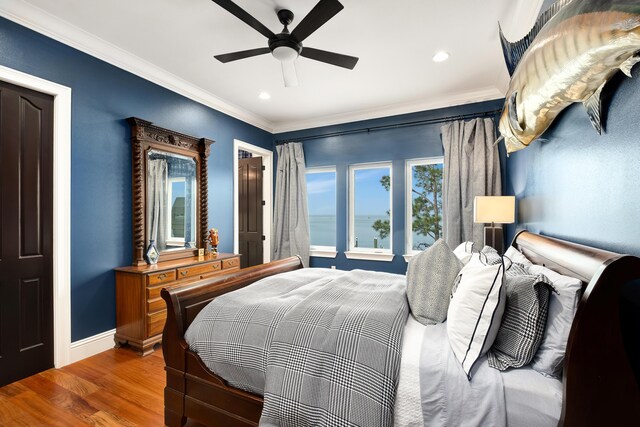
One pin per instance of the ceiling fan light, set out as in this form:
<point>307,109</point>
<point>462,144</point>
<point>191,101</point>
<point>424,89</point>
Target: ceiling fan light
<point>285,53</point>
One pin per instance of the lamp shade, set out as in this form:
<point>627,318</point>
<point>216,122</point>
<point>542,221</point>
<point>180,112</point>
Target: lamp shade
<point>498,209</point>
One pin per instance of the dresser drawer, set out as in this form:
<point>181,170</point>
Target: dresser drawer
<point>162,277</point>
<point>155,322</point>
<point>230,263</point>
<point>154,292</point>
<point>156,304</point>
<point>199,269</point>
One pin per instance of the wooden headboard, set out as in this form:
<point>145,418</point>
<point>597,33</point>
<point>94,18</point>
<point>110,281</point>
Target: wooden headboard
<point>599,383</point>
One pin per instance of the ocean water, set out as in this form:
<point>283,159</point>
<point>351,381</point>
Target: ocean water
<point>323,232</point>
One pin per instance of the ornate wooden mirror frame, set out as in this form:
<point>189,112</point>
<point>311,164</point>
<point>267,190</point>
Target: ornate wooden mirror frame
<point>144,137</point>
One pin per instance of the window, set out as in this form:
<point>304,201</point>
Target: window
<point>424,203</point>
<point>370,212</point>
<point>321,194</point>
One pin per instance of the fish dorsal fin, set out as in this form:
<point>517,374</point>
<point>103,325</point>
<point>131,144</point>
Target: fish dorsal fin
<point>513,51</point>
<point>628,65</point>
<point>513,113</point>
<point>594,108</point>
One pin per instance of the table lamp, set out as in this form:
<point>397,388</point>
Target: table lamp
<point>494,210</point>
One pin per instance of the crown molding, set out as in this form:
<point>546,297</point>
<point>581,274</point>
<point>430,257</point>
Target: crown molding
<point>487,94</point>
<point>53,27</point>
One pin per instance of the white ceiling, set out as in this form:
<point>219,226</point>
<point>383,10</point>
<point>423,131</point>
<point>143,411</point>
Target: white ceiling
<point>172,42</point>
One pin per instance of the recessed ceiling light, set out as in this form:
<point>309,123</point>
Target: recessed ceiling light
<point>440,56</point>
<point>264,96</point>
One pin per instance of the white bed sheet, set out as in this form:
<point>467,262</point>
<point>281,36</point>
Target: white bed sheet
<point>531,399</point>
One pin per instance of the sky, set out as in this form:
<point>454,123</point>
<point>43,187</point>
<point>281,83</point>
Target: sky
<point>321,191</point>
<point>371,198</point>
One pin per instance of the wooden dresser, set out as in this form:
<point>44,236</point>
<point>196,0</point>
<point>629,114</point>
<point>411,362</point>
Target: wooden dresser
<point>141,312</point>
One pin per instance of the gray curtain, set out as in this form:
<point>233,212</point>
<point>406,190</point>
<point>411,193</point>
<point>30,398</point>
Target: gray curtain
<point>471,168</point>
<point>157,209</point>
<point>291,219</point>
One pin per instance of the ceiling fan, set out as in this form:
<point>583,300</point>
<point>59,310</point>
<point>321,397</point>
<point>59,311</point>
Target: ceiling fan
<point>286,46</point>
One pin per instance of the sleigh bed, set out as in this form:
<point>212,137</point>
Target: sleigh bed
<point>598,386</point>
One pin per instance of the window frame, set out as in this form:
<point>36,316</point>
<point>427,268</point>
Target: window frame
<point>317,250</point>
<point>368,253</point>
<point>408,195</point>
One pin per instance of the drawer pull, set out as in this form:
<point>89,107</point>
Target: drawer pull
<point>184,273</point>
<point>162,276</point>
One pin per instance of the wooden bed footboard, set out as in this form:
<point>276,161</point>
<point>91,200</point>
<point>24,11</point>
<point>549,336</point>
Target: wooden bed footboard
<point>192,390</point>
<point>600,388</point>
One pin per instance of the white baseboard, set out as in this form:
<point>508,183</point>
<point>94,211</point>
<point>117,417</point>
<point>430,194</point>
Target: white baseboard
<point>92,345</point>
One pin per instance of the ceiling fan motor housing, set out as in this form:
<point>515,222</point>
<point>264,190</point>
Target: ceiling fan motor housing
<point>284,47</point>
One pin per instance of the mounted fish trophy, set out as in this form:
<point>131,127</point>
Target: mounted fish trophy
<point>569,56</point>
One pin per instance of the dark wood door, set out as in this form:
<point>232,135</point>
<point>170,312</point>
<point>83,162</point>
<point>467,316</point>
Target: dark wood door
<point>250,211</point>
<point>26,218</point>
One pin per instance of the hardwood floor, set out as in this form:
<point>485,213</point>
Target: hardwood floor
<point>114,388</point>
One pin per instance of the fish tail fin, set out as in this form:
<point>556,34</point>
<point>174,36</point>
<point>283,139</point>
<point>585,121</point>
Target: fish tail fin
<point>514,51</point>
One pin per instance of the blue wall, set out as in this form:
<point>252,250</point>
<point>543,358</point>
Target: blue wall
<point>581,186</point>
<point>396,145</point>
<point>102,97</point>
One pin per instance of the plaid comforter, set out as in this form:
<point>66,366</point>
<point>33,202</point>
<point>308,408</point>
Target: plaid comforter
<point>322,346</point>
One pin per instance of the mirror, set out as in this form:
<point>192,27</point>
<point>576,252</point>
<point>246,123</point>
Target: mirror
<point>169,193</point>
<point>171,201</point>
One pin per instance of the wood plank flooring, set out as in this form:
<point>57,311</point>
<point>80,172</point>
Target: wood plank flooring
<point>114,388</point>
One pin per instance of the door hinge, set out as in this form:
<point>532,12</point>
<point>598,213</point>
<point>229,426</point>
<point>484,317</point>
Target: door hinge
<point>264,168</point>
<point>264,203</point>
<point>264,237</point>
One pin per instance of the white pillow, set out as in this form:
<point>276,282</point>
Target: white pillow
<point>475,311</point>
<point>516,256</point>
<point>563,304</point>
<point>464,251</point>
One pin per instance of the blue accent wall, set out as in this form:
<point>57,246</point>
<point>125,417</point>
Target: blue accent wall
<point>396,145</point>
<point>103,96</point>
<point>581,186</point>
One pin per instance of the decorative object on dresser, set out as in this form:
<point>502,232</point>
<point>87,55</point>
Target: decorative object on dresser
<point>170,205</point>
<point>140,312</point>
<point>494,210</point>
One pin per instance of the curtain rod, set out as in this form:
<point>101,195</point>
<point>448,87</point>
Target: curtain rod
<point>395,126</point>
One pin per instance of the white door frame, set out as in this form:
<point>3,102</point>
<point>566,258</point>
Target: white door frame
<point>267,193</point>
<point>61,206</point>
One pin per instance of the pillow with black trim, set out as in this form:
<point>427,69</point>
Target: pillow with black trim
<point>475,311</point>
<point>516,256</point>
<point>524,319</point>
<point>464,251</point>
<point>430,276</point>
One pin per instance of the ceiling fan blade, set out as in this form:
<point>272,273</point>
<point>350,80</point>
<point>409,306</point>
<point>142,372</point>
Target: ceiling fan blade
<point>234,56</point>
<point>340,60</point>
<point>241,14</point>
<point>319,15</point>
<point>289,73</point>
